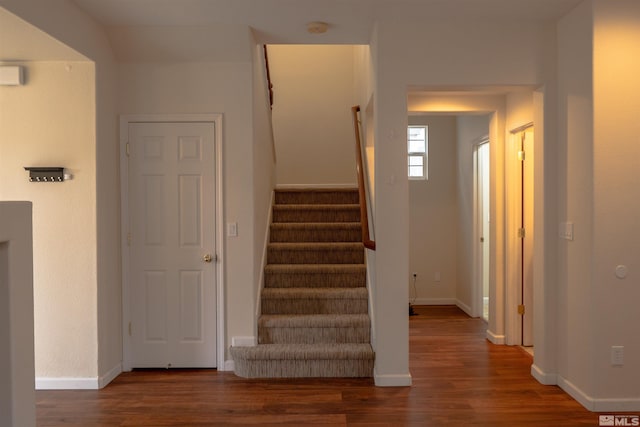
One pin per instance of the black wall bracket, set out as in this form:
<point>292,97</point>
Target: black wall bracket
<point>45,174</point>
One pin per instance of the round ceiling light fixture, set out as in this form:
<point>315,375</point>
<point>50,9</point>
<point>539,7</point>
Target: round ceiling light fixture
<point>317,27</point>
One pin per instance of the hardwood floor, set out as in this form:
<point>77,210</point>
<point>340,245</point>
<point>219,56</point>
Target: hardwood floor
<point>459,379</point>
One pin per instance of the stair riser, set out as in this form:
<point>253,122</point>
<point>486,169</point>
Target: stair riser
<point>320,215</point>
<point>314,280</point>
<point>314,306</point>
<point>316,197</point>
<point>313,335</point>
<point>310,368</point>
<point>315,235</point>
<point>315,256</point>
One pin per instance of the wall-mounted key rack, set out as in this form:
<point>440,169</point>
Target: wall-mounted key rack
<point>46,174</point>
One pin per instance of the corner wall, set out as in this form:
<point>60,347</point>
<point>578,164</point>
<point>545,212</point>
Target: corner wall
<point>616,203</point>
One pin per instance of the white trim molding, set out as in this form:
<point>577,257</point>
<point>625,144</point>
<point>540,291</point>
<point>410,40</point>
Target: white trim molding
<point>313,186</point>
<point>111,375</point>
<point>216,119</point>
<point>543,377</point>
<point>598,405</point>
<point>433,301</point>
<point>464,307</point>
<point>67,383</point>
<point>495,339</point>
<point>400,380</point>
<point>78,383</point>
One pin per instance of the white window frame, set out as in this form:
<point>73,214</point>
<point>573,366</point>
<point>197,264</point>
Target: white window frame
<point>424,154</point>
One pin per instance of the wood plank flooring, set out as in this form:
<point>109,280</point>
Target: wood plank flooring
<point>459,379</point>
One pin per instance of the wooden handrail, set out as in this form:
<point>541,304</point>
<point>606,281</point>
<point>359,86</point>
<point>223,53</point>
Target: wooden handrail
<point>364,217</point>
<point>269,84</point>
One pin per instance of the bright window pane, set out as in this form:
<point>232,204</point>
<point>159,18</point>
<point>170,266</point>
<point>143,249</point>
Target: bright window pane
<point>417,133</point>
<point>417,146</point>
<point>416,161</point>
<point>415,171</point>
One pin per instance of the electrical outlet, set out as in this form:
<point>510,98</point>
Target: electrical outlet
<point>617,355</point>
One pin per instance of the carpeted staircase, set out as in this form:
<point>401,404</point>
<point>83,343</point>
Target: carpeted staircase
<point>315,320</point>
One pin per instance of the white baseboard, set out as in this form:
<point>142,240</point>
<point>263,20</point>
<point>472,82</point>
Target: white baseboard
<point>229,366</point>
<point>403,380</point>
<point>464,307</point>
<point>105,379</point>
<point>543,377</point>
<point>573,391</point>
<point>244,341</point>
<point>67,383</point>
<point>312,186</point>
<point>433,301</point>
<point>599,405</point>
<point>496,339</point>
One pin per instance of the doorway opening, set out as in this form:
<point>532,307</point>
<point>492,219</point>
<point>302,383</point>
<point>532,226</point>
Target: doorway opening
<point>523,137</point>
<point>482,221</point>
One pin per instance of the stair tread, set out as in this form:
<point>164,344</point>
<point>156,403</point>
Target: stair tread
<point>317,206</point>
<point>317,225</point>
<point>285,189</point>
<point>313,320</point>
<point>324,351</point>
<point>309,293</point>
<point>315,245</point>
<point>315,268</point>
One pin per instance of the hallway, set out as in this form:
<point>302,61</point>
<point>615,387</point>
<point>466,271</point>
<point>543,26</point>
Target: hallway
<point>459,378</point>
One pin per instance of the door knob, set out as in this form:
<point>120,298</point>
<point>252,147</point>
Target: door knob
<point>207,258</point>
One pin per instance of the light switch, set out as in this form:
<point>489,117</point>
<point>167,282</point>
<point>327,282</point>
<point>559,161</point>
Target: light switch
<point>232,229</point>
<point>566,230</point>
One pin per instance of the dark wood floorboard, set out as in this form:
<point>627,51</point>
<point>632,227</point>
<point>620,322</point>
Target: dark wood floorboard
<point>459,379</point>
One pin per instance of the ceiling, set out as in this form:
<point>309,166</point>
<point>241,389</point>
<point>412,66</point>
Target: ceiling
<point>175,30</point>
<point>284,21</point>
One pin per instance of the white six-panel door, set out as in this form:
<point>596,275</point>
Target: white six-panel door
<point>172,244</point>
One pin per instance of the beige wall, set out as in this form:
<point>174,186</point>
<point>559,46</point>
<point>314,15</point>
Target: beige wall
<point>433,211</point>
<point>616,201</point>
<point>314,92</point>
<point>51,122</point>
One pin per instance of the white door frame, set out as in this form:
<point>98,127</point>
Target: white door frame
<point>125,120</point>
<point>477,307</point>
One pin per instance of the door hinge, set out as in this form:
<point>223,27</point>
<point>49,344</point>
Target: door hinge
<point>521,309</point>
<point>129,239</point>
<point>126,149</point>
<point>129,328</point>
<point>521,156</point>
<point>521,233</point>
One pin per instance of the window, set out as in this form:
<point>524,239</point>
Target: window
<point>417,143</point>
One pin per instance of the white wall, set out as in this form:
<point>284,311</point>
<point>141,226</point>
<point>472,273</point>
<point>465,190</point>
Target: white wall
<point>575,198</point>
<point>264,157</point>
<point>17,395</point>
<point>616,201</point>
<point>487,57</point>
<point>82,119</point>
<point>51,122</point>
<point>470,129</point>
<point>207,87</point>
<point>313,95</point>
<point>433,210</point>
